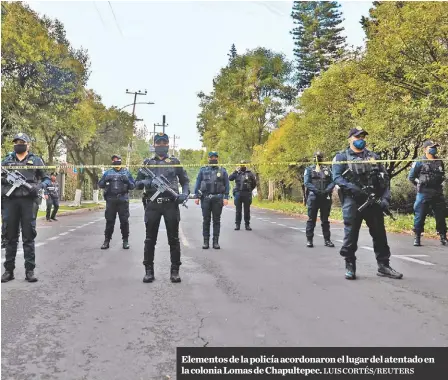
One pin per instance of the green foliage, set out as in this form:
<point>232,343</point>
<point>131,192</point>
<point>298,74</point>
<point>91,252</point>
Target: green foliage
<point>317,38</point>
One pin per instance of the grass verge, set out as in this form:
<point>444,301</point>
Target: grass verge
<point>403,224</point>
<point>68,208</point>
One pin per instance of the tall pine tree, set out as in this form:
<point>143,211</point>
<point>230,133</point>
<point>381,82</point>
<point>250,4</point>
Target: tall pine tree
<point>232,53</point>
<point>317,38</point>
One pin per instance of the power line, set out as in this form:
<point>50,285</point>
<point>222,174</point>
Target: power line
<point>99,14</point>
<point>116,21</point>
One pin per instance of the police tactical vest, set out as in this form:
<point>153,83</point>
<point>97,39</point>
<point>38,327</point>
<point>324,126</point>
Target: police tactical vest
<point>432,174</point>
<point>53,190</point>
<point>244,181</point>
<point>321,179</point>
<point>115,184</point>
<point>169,172</point>
<point>212,180</point>
<point>30,175</point>
<point>366,173</point>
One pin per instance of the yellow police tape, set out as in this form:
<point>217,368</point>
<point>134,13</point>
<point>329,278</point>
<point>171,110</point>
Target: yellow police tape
<point>299,163</point>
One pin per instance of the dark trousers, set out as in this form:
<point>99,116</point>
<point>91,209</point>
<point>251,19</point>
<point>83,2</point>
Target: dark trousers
<point>52,202</point>
<point>211,208</point>
<point>4,219</point>
<point>316,203</point>
<point>21,212</point>
<point>241,199</point>
<point>422,205</point>
<point>373,215</point>
<point>171,215</point>
<point>114,207</point>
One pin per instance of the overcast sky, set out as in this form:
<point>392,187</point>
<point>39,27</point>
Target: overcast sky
<point>174,49</point>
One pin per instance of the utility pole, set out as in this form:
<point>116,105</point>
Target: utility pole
<point>174,143</point>
<point>164,125</point>
<point>128,157</point>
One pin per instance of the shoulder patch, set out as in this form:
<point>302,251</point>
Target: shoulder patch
<point>413,164</point>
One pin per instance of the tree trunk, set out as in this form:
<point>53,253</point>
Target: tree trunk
<point>271,190</point>
<point>259,191</point>
<point>78,193</point>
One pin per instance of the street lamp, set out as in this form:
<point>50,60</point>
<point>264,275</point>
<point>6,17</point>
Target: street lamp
<point>135,103</point>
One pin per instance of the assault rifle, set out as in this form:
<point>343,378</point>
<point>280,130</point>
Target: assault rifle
<point>161,184</point>
<point>372,198</point>
<point>16,179</point>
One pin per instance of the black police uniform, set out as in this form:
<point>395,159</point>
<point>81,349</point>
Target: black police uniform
<point>53,200</point>
<point>117,184</point>
<point>319,185</point>
<point>21,208</point>
<point>245,183</point>
<point>429,177</point>
<point>375,177</point>
<point>164,205</point>
<point>213,184</point>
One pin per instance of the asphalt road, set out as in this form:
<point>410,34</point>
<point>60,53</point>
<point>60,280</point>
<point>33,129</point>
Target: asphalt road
<point>90,316</point>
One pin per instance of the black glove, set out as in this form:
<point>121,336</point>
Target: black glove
<point>143,183</point>
<point>356,191</point>
<point>181,198</point>
<point>384,203</point>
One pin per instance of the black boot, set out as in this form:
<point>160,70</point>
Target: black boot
<point>417,240</point>
<point>29,276</point>
<point>125,244</point>
<point>248,227</point>
<point>309,242</point>
<point>105,244</point>
<point>215,242</point>
<point>237,227</point>
<point>443,239</point>
<point>328,243</point>
<point>384,270</point>
<point>350,270</point>
<point>206,244</point>
<point>149,276</point>
<point>175,274</point>
<point>8,276</point>
<point>54,219</point>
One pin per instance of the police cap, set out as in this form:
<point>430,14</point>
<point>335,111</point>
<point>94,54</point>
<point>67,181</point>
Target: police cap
<point>115,156</point>
<point>318,154</point>
<point>21,136</point>
<point>357,132</point>
<point>213,153</point>
<point>430,143</point>
<point>161,136</point>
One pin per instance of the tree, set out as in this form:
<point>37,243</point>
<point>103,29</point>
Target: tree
<point>317,38</point>
<point>232,54</point>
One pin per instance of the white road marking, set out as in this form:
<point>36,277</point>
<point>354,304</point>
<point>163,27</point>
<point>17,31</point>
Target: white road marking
<point>287,218</point>
<point>53,238</point>
<point>413,260</point>
<point>274,222</point>
<point>183,237</point>
<point>412,255</point>
<point>294,228</point>
<point>63,233</point>
<point>73,229</point>
<point>368,248</point>
<point>283,225</point>
<point>320,235</point>
<point>340,241</point>
<point>302,230</point>
<point>40,244</point>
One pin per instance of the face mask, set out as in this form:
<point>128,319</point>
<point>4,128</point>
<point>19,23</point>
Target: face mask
<point>117,162</point>
<point>243,168</point>
<point>432,151</point>
<point>213,161</point>
<point>161,150</point>
<point>359,144</point>
<point>20,148</point>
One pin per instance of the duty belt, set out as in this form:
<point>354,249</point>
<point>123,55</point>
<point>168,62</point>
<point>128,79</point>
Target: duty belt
<point>213,196</point>
<point>163,200</point>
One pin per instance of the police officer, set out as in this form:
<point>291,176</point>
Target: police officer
<point>319,185</point>
<point>428,176</point>
<point>52,196</point>
<point>164,205</point>
<point>352,178</point>
<point>117,182</point>
<point>213,184</point>
<point>245,183</point>
<point>22,206</point>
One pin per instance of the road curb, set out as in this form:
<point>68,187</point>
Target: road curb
<point>79,211</point>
